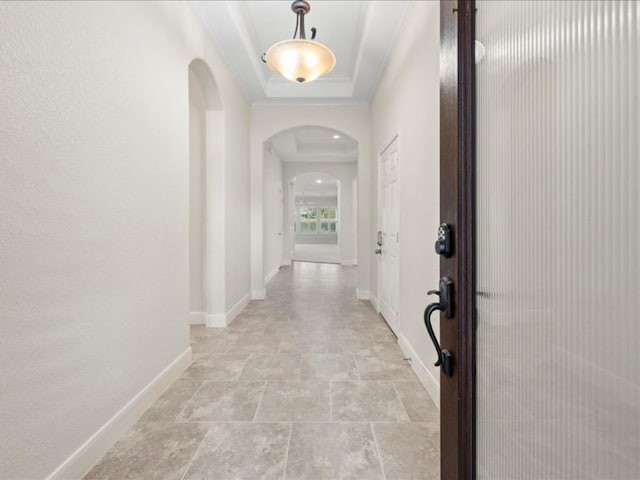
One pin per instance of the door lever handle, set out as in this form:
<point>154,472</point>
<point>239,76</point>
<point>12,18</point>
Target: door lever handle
<point>444,356</point>
<point>445,359</point>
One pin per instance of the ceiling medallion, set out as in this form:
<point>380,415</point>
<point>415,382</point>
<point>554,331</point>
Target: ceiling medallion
<point>300,60</point>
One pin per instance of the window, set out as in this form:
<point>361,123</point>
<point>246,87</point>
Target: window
<point>317,220</point>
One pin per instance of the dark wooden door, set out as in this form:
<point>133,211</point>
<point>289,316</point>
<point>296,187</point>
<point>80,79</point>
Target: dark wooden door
<point>457,182</point>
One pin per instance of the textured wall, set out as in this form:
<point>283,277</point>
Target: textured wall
<point>94,177</point>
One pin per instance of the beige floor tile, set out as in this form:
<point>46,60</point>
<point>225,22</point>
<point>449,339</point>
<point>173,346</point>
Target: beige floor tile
<point>328,366</point>
<point>409,450</point>
<point>241,451</point>
<point>224,401</point>
<point>366,402</point>
<point>151,451</point>
<point>325,451</point>
<point>380,367</point>
<point>254,342</point>
<point>417,402</point>
<point>216,367</point>
<point>295,401</point>
<point>171,403</point>
<point>272,366</point>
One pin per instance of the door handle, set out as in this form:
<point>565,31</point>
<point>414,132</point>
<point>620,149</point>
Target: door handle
<point>445,359</point>
<point>379,239</point>
<point>378,251</point>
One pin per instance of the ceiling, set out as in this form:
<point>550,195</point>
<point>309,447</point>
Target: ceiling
<point>314,144</point>
<point>360,33</point>
<point>307,185</point>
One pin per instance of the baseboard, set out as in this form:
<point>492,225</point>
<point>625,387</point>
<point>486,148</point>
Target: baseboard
<point>430,384</point>
<point>90,453</point>
<point>374,301</point>
<point>259,294</point>
<point>221,320</point>
<point>285,263</point>
<point>271,274</point>
<point>362,294</point>
<point>217,320</point>
<point>237,308</point>
<point>349,263</point>
<point>197,318</point>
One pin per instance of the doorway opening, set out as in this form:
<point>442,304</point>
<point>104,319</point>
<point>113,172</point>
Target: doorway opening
<point>316,218</point>
<point>310,204</point>
<point>206,198</point>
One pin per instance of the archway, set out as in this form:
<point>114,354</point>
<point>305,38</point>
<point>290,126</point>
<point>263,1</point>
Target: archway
<point>302,150</point>
<point>206,165</point>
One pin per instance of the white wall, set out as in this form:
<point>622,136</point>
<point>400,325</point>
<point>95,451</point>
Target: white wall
<point>273,212</point>
<point>346,173</point>
<point>94,179</point>
<point>268,120</point>
<point>407,103</point>
<point>197,195</point>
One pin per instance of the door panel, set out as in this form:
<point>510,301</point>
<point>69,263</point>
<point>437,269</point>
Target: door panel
<point>389,228</point>
<point>558,223</point>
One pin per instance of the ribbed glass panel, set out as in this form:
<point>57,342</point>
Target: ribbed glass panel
<point>558,336</point>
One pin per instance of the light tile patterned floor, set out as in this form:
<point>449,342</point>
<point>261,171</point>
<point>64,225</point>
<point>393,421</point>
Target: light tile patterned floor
<point>308,384</point>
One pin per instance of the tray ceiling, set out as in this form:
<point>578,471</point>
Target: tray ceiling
<point>360,33</point>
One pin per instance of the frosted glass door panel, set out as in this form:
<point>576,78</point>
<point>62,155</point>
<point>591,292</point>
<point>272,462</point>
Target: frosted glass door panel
<point>558,225</point>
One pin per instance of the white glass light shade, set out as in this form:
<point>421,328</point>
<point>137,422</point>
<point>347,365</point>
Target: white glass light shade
<point>300,61</point>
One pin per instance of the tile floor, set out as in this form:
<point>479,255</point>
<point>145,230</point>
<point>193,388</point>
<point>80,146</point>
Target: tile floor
<point>308,384</point>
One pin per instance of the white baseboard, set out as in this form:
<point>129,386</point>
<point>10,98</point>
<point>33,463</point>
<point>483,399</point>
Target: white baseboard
<point>221,320</point>
<point>91,451</point>
<point>349,263</point>
<point>374,301</point>
<point>259,294</point>
<point>197,318</point>
<point>285,263</point>
<point>271,274</point>
<point>218,320</point>
<point>362,294</point>
<point>428,381</point>
<point>237,308</point>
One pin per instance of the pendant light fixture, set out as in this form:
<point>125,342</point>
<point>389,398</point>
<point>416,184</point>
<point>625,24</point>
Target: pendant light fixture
<point>300,60</point>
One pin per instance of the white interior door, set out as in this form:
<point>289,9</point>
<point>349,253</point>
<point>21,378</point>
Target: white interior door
<point>389,235</point>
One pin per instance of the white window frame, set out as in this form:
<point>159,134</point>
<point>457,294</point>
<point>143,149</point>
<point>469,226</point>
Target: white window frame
<point>317,221</point>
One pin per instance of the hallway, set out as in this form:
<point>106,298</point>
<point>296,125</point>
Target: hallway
<point>307,384</point>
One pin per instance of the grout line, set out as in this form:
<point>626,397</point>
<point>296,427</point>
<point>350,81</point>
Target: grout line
<point>186,470</point>
<point>330,402</point>
<point>401,401</point>
<point>286,455</point>
<point>186,404</point>
<point>375,441</point>
<point>356,364</point>
<point>300,367</point>
<point>255,415</point>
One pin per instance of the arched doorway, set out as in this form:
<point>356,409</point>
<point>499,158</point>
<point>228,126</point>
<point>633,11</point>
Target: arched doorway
<point>306,155</point>
<point>206,215</point>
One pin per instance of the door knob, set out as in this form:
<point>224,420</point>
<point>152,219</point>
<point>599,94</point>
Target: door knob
<point>445,359</point>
